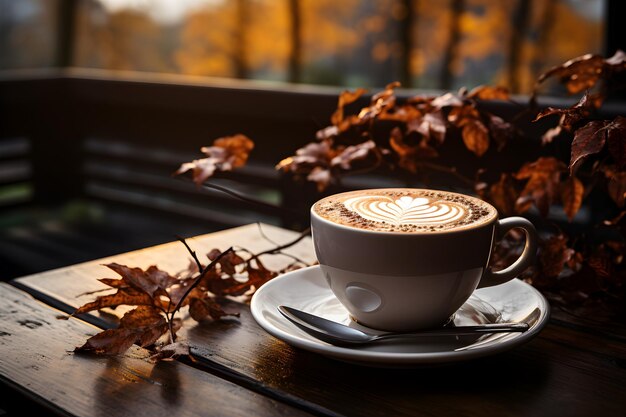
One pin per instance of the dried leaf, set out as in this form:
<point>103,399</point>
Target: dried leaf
<point>228,262</point>
<point>148,281</point>
<point>616,186</point>
<point>109,342</point>
<point>570,117</point>
<point>543,177</point>
<point>550,135</point>
<point>201,308</point>
<point>588,140</point>
<point>501,132</point>
<point>616,140</point>
<point>350,156</point>
<point>572,196</point>
<point>226,154</point>
<point>408,156</point>
<point>322,177</point>
<point>485,92</point>
<point>123,296</point>
<point>446,100</point>
<point>504,195</point>
<point>147,323</point>
<point>476,137</point>
<point>577,74</point>
<point>345,98</point>
<point>315,154</point>
<point>554,254</point>
<point>171,351</point>
<point>430,126</point>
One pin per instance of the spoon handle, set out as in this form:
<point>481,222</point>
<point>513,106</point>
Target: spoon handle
<point>461,330</point>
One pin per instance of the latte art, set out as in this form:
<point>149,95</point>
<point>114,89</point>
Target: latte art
<point>405,210</point>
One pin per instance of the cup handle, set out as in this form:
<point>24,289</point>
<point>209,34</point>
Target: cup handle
<point>491,278</point>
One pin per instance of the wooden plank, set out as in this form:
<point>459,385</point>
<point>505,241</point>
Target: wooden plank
<point>69,284</point>
<point>564,371</point>
<point>36,359</point>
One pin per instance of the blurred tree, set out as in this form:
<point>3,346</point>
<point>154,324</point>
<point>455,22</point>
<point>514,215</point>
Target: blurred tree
<point>295,52</point>
<point>520,22</point>
<point>28,33</point>
<point>451,50</point>
<point>122,40</point>
<point>352,43</point>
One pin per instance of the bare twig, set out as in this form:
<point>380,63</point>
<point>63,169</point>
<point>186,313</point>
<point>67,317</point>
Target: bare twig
<point>192,252</point>
<point>306,232</point>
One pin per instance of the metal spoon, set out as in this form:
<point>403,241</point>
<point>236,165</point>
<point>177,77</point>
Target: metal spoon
<point>341,335</point>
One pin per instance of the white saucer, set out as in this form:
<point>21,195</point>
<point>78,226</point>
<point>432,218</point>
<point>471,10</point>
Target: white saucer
<point>306,289</point>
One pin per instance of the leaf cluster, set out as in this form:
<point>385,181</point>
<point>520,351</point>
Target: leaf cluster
<point>386,134</point>
<point>157,296</point>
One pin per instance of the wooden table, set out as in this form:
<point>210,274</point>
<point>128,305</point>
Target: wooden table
<point>569,369</point>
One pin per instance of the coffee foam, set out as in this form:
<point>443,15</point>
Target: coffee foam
<point>405,210</point>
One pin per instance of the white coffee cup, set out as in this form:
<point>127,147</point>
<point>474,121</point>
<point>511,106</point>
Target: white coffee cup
<point>416,277</point>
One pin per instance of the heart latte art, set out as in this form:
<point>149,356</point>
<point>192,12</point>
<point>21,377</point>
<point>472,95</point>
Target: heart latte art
<point>405,210</point>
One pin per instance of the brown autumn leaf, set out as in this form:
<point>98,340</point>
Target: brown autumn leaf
<point>616,141</point>
<point>601,263</point>
<point>578,74</point>
<point>123,296</point>
<point>431,126</point>
<point>143,326</point>
<point>616,186</point>
<point>170,352</point>
<point>486,92</point>
<point>543,180</point>
<point>228,262</point>
<point>109,342</point>
<point>314,154</point>
<point>148,324</point>
<point>500,130</point>
<point>201,308</point>
<point>473,131</point>
<point>409,156</point>
<point>446,100</point>
<point>148,281</point>
<point>322,177</point>
<point>588,140</point>
<point>225,154</point>
<point>572,196</point>
<point>349,157</point>
<point>476,137</point>
<point>345,98</point>
<point>554,254</point>
<point>571,117</point>
<point>503,194</point>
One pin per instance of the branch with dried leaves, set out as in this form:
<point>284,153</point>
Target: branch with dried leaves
<point>158,296</point>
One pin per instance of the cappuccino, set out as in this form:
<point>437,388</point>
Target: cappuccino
<point>406,210</point>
